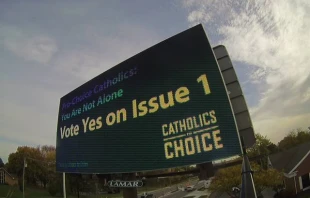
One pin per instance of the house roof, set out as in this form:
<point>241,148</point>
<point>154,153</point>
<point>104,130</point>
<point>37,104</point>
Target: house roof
<point>12,176</point>
<point>290,159</point>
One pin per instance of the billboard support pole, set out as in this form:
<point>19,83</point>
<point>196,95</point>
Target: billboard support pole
<point>130,192</point>
<point>64,183</point>
<point>248,187</point>
<point>206,170</point>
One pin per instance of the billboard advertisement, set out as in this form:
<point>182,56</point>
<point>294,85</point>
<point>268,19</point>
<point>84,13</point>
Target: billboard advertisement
<point>164,107</point>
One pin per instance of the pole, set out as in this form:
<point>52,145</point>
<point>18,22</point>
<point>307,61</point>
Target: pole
<point>24,177</point>
<point>295,184</point>
<point>206,170</point>
<point>247,188</point>
<point>64,183</point>
<point>129,192</point>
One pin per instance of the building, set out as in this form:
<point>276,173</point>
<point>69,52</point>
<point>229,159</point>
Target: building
<point>7,178</point>
<point>295,163</point>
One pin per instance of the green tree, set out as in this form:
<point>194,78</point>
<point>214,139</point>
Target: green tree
<point>270,178</point>
<point>48,154</point>
<point>263,147</point>
<point>277,182</point>
<point>227,178</point>
<point>294,138</point>
<point>40,163</point>
<point>16,162</point>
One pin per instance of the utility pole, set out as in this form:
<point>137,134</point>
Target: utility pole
<point>24,168</point>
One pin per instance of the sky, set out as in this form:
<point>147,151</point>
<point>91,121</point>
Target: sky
<point>48,48</point>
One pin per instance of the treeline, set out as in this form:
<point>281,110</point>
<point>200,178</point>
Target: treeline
<point>264,177</point>
<point>39,161</point>
<point>294,138</point>
<point>264,146</point>
<point>40,171</point>
<point>41,165</point>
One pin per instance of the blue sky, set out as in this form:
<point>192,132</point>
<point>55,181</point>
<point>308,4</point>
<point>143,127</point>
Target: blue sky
<point>48,48</point>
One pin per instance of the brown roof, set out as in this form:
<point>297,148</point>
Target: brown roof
<point>288,160</point>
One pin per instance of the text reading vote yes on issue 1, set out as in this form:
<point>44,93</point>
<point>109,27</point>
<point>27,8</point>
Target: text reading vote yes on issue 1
<point>181,95</point>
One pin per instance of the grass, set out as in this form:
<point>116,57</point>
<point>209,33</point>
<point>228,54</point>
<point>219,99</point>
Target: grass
<point>5,191</point>
<point>29,193</point>
<point>41,193</point>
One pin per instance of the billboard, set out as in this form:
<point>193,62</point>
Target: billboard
<point>164,107</point>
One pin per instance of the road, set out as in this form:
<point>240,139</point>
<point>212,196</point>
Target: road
<point>177,194</point>
<point>162,191</point>
<point>170,192</point>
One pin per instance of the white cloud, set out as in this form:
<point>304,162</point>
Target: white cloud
<point>31,47</point>
<point>6,149</point>
<point>273,37</point>
<point>283,124</point>
<point>198,15</point>
<point>106,51</point>
<point>81,63</point>
<point>29,109</point>
<point>24,116</point>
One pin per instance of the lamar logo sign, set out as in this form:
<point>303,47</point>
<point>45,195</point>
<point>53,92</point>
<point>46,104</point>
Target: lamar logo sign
<point>125,184</point>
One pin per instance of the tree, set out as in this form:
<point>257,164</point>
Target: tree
<point>227,178</point>
<point>294,138</point>
<point>1,163</point>
<point>75,183</point>
<point>48,154</point>
<point>264,147</point>
<point>16,162</point>
<point>270,178</point>
<point>277,182</point>
<point>40,163</point>
<point>55,184</point>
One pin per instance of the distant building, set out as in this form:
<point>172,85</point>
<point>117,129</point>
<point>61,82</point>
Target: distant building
<point>7,178</point>
<point>295,163</point>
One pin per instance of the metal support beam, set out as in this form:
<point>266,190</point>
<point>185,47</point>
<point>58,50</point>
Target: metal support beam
<point>64,184</point>
<point>248,187</point>
<point>130,192</point>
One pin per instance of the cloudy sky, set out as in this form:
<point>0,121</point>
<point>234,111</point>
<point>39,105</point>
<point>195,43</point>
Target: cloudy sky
<point>48,48</point>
